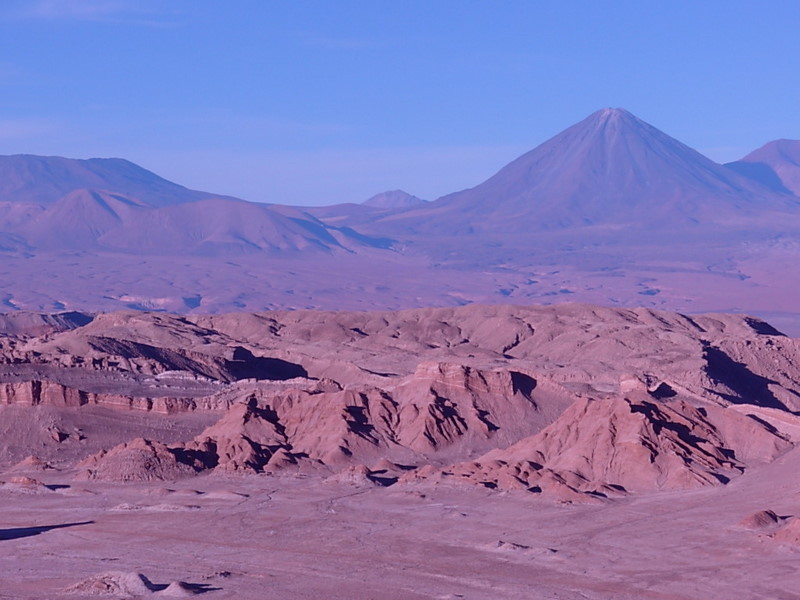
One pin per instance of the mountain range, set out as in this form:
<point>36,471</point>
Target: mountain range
<point>611,210</point>
<point>44,180</point>
<point>611,169</point>
<point>52,203</point>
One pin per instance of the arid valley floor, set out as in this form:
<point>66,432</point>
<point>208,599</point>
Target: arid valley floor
<point>565,452</point>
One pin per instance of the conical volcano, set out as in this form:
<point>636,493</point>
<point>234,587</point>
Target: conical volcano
<point>610,169</point>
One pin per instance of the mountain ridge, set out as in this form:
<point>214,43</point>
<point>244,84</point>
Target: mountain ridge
<point>610,168</point>
<point>43,180</point>
<point>88,220</point>
<point>776,163</point>
<point>393,199</point>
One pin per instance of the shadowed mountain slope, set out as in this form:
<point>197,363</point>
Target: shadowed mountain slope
<point>776,164</point>
<point>56,204</point>
<point>91,220</point>
<point>220,226</point>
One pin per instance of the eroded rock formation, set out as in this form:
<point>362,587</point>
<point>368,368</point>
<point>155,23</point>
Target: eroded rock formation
<point>574,401</point>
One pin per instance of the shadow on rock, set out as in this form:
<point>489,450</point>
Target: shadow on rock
<point>246,366</point>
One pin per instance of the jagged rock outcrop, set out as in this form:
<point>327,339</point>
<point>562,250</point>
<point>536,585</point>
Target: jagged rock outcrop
<point>114,584</point>
<point>759,520</point>
<point>356,475</point>
<point>246,439</point>
<point>789,532</point>
<point>568,400</point>
<point>35,393</point>
<point>609,446</point>
<point>137,460</point>
<point>445,403</point>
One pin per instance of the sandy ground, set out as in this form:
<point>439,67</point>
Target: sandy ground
<point>265,537</point>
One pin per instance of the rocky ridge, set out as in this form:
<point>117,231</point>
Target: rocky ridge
<point>574,401</point>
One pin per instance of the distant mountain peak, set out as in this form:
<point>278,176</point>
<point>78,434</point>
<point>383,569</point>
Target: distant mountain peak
<point>43,180</point>
<point>783,149</point>
<point>393,199</point>
<point>776,164</point>
<point>610,122</point>
<point>611,119</point>
<point>611,168</point>
<point>610,114</point>
<point>790,149</point>
<point>111,204</point>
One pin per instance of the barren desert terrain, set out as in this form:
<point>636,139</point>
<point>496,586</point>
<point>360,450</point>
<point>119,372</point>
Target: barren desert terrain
<point>399,300</point>
<point>570,451</point>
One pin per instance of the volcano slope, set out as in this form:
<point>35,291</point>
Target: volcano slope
<point>480,451</point>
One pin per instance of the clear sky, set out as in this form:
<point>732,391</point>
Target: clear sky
<point>329,101</point>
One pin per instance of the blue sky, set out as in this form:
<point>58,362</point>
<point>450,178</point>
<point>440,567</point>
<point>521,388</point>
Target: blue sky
<point>319,102</point>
